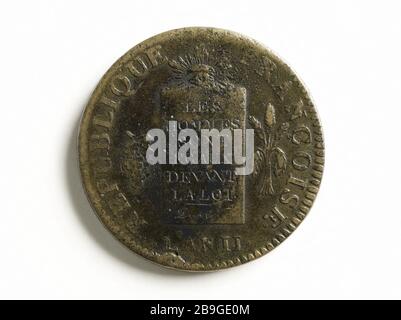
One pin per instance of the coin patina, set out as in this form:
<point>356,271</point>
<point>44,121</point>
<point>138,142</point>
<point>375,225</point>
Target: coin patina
<point>202,214</point>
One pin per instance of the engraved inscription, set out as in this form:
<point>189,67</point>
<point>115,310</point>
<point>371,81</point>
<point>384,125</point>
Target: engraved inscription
<point>223,243</point>
<point>201,97</point>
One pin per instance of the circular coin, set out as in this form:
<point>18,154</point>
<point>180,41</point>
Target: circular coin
<point>200,149</point>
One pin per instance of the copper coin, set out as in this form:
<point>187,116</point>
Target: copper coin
<point>160,181</point>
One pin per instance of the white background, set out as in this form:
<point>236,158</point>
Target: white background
<point>53,53</point>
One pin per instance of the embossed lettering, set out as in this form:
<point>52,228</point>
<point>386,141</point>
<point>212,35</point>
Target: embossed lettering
<point>137,67</point>
<point>276,217</point>
<point>104,119</point>
<point>289,198</point>
<point>302,134</point>
<point>100,141</point>
<point>168,246</point>
<point>103,165</point>
<point>301,160</point>
<point>121,85</point>
<point>109,102</point>
<point>297,182</point>
<point>155,56</point>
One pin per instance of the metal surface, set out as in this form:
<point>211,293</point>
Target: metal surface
<point>200,217</point>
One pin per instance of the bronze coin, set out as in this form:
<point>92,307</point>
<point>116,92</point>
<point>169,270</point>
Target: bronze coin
<point>181,200</point>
